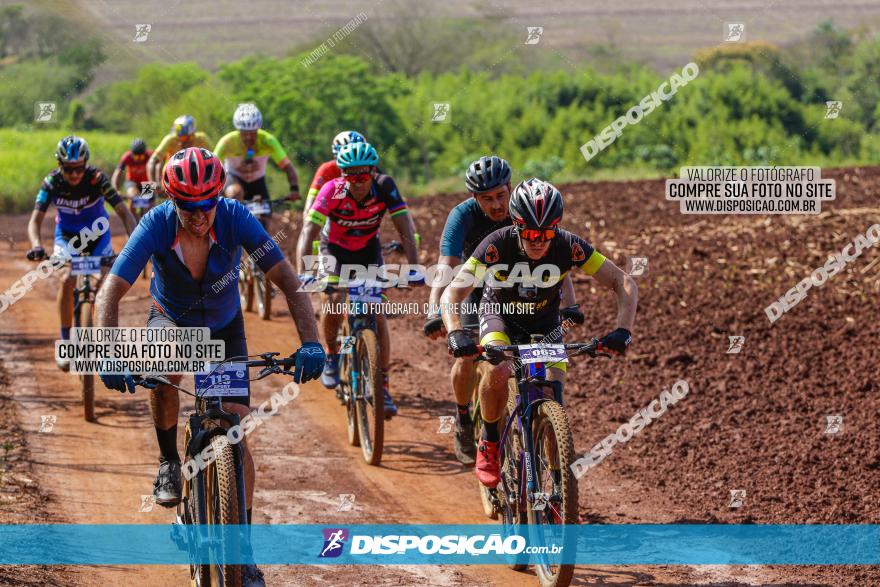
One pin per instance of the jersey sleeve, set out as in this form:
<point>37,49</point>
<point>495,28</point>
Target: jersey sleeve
<point>141,245</point>
<point>583,255</point>
<point>321,177</point>
<point>321,207</point>
<point>454,232</point>
<point>124,160</point>
<point>201,140</point>
<point>162,151</point>
<point>222,146</point>
<point>255,240</point>
<point>276,151</point>
<point>389,193</point>
<point>42,202</point>
<point>102,182</point>
<point>484,255</point>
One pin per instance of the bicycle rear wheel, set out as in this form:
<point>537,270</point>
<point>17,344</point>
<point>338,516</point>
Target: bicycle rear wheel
<point>369,398</point>
<point>554,452</point>
<point>513,514</point>
<point>223,508</point>
<point>84,319</point>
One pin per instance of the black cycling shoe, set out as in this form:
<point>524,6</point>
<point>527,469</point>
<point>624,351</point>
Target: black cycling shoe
<point>465,450</point>
<point>167,487</point>
<point>251,576</point>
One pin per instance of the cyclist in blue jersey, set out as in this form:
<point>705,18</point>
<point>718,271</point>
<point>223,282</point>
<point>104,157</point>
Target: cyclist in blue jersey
<point>195,240</point>
<point>488,179</point>
<point>78,192</point>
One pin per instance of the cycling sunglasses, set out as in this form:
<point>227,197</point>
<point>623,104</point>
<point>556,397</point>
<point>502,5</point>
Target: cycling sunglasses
<point>200,206</point>
<point>358,177</point>
<point>71,169</point>
<point>537,236</point>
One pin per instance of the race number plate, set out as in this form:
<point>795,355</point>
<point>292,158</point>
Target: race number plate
<point>141,203</point>
<point>542,353</point>
<point>85,265</point>
<point>365,294</point>
<point>225,380</point>
<point>259,208</point>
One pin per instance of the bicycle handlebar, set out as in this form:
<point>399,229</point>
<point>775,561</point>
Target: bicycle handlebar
<point>270,365</point>
<point>581,348</point>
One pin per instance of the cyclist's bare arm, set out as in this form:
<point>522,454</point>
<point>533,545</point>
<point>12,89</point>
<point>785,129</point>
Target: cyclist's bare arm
<point>567,292</point>
<point>298,302</point>
<point>34,225</point>
<point>404,227</point>
<point>112,290</point>
<point>437,291</point>
<point>455,293</point>
<point>126,216</point>
<point>290,170</point>
<point>154,167</point>
<point>309,233</point>
<point>116,179</point>
<point>611,276</point>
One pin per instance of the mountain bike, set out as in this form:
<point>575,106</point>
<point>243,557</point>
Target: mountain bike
<point>85,268</point>
<point>215,494</point>
<point>360,369</point>
<point>537,486</point>
<point>252,282</point>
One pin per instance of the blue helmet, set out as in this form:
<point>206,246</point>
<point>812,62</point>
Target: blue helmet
<point>357,154</point>
<point>72,149</point>
<point>346,137</point>
<point>184,125</point>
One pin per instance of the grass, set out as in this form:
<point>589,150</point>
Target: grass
<point>27,156</point>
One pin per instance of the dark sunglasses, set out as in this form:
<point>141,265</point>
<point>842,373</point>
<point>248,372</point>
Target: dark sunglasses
<point>71,169</point>
<point>358,177</point>
<point>200,206</point>
<point>537,236</point>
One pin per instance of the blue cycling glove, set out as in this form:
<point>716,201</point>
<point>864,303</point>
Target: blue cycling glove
<point>120,383</point>
<point>309,362</point>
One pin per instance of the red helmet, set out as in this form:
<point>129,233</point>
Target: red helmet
<point>193,174</point>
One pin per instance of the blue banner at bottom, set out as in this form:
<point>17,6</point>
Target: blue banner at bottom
<point>367,544</point>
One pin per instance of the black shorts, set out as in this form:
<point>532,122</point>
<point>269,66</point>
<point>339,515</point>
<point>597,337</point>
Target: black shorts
<point>333,257</point>
<point>232,334</point>
<point>257,187</point>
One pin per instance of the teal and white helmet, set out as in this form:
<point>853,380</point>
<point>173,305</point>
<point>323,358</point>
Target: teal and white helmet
<point>356,155</point>
<point>344,138</point>
<point>247,117</point>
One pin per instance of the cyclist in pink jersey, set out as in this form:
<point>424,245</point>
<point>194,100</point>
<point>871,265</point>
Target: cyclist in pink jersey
<point>348,212</point>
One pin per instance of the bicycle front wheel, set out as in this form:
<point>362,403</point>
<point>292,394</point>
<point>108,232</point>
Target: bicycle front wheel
<point>87,379</point>
<point>221,497</point>
<point>510,460</point>
<point>370,400</point>
<point>554,453</point>
<point>192,510</point>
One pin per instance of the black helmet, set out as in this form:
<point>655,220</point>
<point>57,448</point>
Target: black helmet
<point>138,147</point>
<point>487,173</point>
<point>535,203</point>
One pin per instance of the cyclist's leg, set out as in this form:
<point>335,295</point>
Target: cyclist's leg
<point>464,370</point>
<point>64,298</point>
<point>330,322</point>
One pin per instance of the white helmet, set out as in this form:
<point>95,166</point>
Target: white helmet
<point>247,117</point>
<point>344,138</point>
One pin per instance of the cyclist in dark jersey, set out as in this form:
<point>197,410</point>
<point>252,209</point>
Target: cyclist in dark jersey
<point>488,179</point>
<point>348,211</point>
<point>195,240</point>
<point>534,239</point>
<point>78,192</point>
